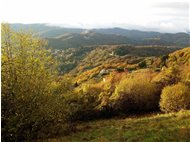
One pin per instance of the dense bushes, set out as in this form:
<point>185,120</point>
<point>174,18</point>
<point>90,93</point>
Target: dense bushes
<point>30,119</point>
<point>136,94</point>
<point>175,98</point>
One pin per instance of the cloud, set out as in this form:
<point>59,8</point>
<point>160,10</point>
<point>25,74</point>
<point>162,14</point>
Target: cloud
<point>182,6</point>
<point>167,25</point>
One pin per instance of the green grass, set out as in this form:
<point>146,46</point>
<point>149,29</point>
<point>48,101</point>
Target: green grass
<point>173,127</point>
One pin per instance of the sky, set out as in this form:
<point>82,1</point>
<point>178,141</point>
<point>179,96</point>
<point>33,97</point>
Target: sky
<point>151,15</point>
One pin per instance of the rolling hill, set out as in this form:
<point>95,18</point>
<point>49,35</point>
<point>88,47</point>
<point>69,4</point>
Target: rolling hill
<point>88,38</point>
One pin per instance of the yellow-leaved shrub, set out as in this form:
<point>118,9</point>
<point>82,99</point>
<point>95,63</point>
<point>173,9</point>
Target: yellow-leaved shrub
<point>175,98</point>
<point>136,94</point>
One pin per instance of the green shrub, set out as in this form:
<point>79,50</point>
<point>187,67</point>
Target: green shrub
<point>136,94</point>
<point>120,69</point>
<point>142,64</point>
<point>175,98</point>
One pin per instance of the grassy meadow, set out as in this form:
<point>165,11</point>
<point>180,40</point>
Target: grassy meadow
<point>173,127</point>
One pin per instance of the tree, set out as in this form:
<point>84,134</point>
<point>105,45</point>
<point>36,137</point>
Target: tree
<point>26,64</point>
<point>28,70</point>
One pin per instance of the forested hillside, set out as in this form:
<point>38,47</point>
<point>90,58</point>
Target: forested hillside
<point>93,59</point>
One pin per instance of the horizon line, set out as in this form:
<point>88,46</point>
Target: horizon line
<point>97,27</point>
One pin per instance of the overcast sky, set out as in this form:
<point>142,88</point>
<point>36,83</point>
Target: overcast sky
<point>155,15</point>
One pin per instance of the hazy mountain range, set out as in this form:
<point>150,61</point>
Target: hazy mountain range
<point>61,38</point>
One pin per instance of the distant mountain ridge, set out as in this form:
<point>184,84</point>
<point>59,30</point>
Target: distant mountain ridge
<point>61,38</point>
<point>45,30</point>
<point>129,33</point>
